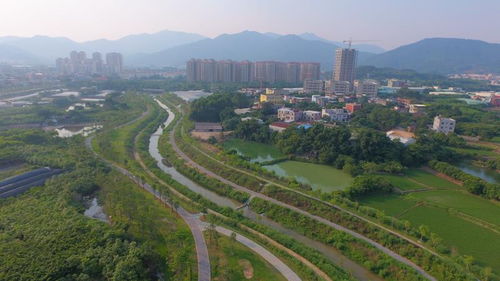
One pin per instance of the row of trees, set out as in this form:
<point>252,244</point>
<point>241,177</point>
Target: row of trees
<point>473,184</point>
<point>217,107</point>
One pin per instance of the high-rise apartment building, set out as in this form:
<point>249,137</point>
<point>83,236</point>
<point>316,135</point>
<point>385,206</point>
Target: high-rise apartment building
<point>309,71</point>
<point>246,71</point>
<point>114,62</point>
<point>345,65</point>
<point>79,64</point>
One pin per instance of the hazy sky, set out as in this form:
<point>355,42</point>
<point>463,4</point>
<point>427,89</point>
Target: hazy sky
<point>390,22</point>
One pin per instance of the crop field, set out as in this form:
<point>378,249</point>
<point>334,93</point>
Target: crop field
<point>431,208</point>
<point>463,202</point>
<point>468,238</point>
<point>230,261</point>
<point>419,179</point>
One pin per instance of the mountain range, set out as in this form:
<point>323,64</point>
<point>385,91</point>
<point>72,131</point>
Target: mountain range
<point>247,45</point>
<point>442,56</point>
<point>171,48</point>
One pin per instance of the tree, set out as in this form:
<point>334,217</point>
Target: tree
<point>424,231</point>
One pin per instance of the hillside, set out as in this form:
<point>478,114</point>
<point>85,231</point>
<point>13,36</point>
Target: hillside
<point>247,45</point>
<point>441,55</point>
<point>13,55</point>
<point>49,48</point>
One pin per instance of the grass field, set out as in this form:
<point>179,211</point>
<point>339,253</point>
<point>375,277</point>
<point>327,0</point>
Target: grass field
<point>257,152</point>
<point>231,261</point>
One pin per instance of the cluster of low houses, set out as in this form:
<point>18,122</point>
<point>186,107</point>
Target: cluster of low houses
<point>289,116</point>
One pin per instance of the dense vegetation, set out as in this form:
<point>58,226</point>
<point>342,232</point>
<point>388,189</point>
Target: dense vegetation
<point>43,233</point>
<point>217,107</point>
<point>366,184</point>
<point>473,184</point>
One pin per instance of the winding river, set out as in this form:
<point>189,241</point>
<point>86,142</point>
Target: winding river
<point>330,253</point>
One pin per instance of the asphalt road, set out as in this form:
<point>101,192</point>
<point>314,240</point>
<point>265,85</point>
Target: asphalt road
<point>317,218</point>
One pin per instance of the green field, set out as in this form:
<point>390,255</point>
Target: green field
<point>257,152</point>
<point>466,237</point>
<point>419,179</point>
<point>319,177</point>
<point>466,222</point>
<point>463,202</point>
<point>229,260</point>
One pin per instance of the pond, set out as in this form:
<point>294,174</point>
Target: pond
<point>69,131</point>
<point>319,177</point>
<point>191,95</point>
<point>257,152</point>
<point>95,211</point>
<point>486,174</point>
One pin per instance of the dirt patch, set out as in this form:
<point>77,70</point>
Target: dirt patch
<point>206,135</point>
<point>208,147</point>
<point>247,268</point>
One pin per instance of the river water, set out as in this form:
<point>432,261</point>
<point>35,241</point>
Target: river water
<point>330,253</point>
<point>155,153</point>
<point>486,174</point>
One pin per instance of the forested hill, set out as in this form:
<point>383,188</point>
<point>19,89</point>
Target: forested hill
<point>441,55</point>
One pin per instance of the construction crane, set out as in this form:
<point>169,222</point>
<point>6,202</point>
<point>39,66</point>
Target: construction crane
<point>349,42</point>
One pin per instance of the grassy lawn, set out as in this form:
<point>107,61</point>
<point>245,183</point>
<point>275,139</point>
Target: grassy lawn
<point>257,152</point>
<point>231,261</point>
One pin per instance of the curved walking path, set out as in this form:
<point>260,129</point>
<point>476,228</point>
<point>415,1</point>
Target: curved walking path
<point>268,256</point>
<point>204,270</point>
<point>282,204</point>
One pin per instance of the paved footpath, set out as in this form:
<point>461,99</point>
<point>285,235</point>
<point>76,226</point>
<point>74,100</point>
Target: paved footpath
<point>286,271</point>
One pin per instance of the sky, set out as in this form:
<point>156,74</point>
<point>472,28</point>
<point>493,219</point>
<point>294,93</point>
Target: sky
<point>388,23</point>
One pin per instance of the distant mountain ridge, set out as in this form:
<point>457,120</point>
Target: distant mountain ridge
<point>171,48</point>
<point>246,45</point>
<point>46,49</point>
<point>442,56</point>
